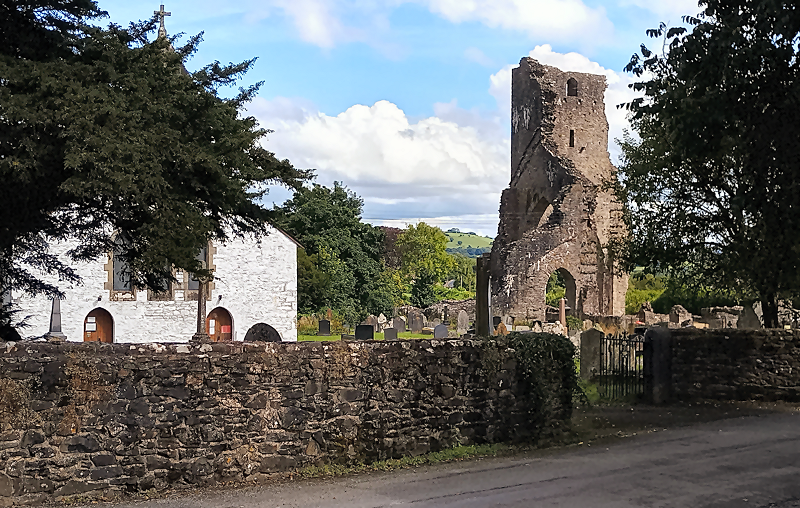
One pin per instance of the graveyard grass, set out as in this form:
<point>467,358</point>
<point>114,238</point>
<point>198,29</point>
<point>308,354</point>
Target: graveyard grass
<point>378,336</point>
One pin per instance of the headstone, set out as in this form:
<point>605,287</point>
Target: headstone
<point>751,317</point>
<point>463,322</point>
<point>501,329</point>
<point>679,316</point>
<point>399,324</point>
<point>496,320</point>
<point>365,332</point>
<point>390,334</point>
<point>324,328</point>
<point>440,332</point>
<point>381,322</point>
<point>522,328</point>
<point>415,322</point>
<point>371,321</point>
<point>433,323</point>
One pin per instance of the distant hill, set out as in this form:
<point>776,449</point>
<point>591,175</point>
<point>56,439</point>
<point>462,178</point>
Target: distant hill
<point>469,244</point>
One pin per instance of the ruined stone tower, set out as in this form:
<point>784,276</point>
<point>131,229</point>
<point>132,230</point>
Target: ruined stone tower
<point>555,216</point>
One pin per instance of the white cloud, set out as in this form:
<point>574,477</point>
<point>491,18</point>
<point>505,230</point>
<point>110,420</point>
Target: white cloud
<point>544,19</point>
<point>616,93</point>
<point>450,164</point>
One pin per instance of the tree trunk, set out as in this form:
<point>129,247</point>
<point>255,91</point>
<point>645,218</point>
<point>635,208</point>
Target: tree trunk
<point>769,309</point>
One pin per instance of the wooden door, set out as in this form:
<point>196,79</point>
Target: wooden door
<point>219,325</point>
<point>98,326</point>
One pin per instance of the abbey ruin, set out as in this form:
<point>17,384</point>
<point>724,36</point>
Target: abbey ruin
<point>555,215</point>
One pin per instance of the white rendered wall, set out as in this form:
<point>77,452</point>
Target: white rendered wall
<point>256,283</point>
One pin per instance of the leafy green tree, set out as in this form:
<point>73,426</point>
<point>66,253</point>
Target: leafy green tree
<point>424,250</point>
<point>105,130</point>
<point>423,289</point>
<point>327,222</point>
<point>463,271</point>
<point>712,179</point>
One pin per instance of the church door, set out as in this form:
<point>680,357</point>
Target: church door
<point>219,325</point>
<point>98,326</point>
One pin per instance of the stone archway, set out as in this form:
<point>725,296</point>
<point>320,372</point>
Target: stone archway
<point>567,282</point>
<point>219,325</point>
<point>262,332</point>
<point>98,326</point>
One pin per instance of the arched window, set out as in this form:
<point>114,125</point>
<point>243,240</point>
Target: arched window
<point>572,87</point>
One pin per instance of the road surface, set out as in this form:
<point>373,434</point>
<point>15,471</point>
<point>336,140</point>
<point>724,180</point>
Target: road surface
<point>740,462</point>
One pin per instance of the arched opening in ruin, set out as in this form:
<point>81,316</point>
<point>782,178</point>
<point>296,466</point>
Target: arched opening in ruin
<point>98,326</point>
<point>262,332</point>
<point>572,87</point>
<point>561,284</point>
<point>538,211</point>
<point>219,325</point>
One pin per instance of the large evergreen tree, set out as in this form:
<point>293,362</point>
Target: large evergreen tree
<point>104,131</point>
<point>713,179</point>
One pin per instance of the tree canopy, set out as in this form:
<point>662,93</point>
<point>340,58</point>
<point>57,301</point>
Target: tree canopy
<point>341,267</point>
<point>103,130</point>
<point>711,179</point>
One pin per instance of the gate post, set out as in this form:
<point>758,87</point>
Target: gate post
<point>590,353</point>
<point>657,365</point>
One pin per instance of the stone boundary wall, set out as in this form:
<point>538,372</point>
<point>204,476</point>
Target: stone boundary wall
<point>733,364</point>
<point>91,418</point>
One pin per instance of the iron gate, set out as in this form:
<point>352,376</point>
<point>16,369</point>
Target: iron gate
<point>621,366</point>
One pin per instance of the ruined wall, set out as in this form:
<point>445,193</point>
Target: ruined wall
<point>77,419</point>
<point>554,215</point>
<point>732,364</point>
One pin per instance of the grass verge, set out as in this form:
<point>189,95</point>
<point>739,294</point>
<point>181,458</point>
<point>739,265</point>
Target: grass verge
<point>449,455</point>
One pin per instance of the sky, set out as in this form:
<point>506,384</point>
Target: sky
<point>407,102</point>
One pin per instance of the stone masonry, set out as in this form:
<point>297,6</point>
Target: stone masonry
<point>555,214</point>
<point>91,418</point>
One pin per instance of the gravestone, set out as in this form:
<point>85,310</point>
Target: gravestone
<point>679,316</point>
<point>390,334</point>
<point>463,322</point>
<point>440,332</point>
<point>324,328</point>
<point>415,321</point>
<point>496,320</point>
<point>372,321</point>
<point>365,332</point>
<point>399,324</point>
<point>381,323</point>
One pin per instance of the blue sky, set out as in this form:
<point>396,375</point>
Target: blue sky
<point>407,101</point>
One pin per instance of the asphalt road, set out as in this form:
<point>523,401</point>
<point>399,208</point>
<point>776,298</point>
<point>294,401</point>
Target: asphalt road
<point>740,462</point>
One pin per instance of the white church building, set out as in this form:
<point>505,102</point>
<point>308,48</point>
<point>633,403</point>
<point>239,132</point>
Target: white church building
<point>254,290</point>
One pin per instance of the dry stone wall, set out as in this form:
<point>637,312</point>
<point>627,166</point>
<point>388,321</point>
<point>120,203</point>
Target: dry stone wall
<point>732,364</point>
<point>82,419</point>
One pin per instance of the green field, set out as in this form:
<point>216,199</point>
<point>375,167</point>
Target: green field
<point>475,241</point>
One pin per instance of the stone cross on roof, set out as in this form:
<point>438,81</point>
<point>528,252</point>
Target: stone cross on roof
<point>161,13</point>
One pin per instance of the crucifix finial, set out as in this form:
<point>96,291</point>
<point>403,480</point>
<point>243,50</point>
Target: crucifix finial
<point>161,13</point>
